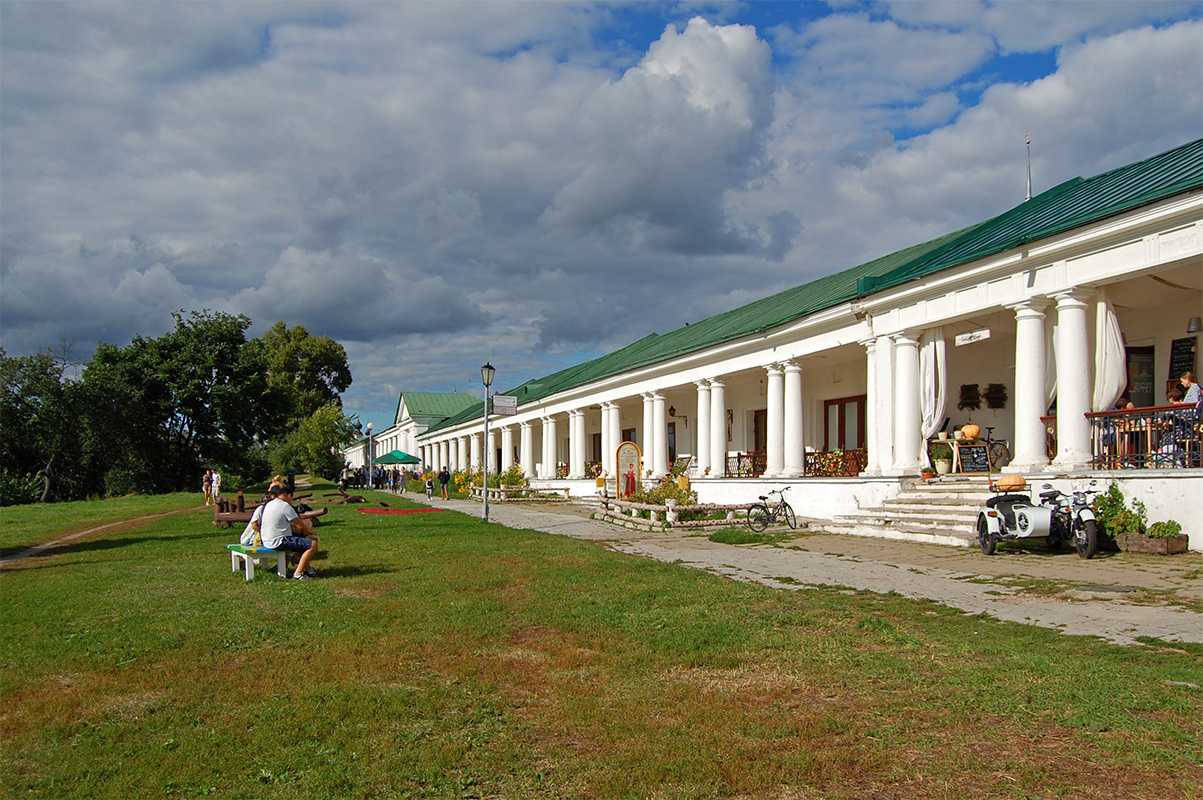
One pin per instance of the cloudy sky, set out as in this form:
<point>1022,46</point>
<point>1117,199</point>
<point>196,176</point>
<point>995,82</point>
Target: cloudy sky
<point>434,184</point>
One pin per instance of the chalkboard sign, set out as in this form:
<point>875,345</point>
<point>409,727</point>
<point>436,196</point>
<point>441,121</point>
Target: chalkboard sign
<point>1182,357</point>
<point>974,458</point>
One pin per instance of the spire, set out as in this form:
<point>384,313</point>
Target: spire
<point>1027,139</point>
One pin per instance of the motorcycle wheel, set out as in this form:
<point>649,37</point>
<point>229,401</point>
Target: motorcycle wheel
<point>1086,539</point>
<point>758,518</point>
<point>984,538</point>
<point>790,519</point>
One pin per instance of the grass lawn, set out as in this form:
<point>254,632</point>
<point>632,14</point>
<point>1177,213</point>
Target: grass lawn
<point>22,526</point>
<point>441,657</point>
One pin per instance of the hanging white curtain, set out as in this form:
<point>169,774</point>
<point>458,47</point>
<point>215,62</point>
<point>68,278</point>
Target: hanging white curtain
<point>933,386</point>
<point>1110,357</point>
<point>1050,357</point>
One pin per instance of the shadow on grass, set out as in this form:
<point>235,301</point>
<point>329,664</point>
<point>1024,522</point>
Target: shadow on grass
<point>354,571</point>
<point>91,545</point>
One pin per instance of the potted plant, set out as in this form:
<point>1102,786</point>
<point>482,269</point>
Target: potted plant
<point>941,456</point>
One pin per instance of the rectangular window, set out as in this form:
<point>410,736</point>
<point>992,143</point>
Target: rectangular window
<point>628,434</point>
<point>844,423</point>
<point>672,442</point>
<point>597,447</point>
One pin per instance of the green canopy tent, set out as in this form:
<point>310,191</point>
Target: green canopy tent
<point>396,457</point>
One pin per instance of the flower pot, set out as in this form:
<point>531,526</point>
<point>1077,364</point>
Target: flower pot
<point>943,466</point>
<point>1139,543</point>
<point>942,436</point>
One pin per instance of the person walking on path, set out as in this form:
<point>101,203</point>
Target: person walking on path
<point>207,486</point>
<point>444,480</point>
<point>216,486</point>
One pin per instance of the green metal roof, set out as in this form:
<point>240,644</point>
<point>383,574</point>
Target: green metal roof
<point>1071,204</point>
<point>431,406</point>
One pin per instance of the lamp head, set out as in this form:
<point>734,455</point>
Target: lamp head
<point>1194,325</point>
<point>368,429</point>
<point>486,374</point>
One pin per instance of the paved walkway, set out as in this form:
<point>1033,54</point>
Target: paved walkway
<point>881,566</point>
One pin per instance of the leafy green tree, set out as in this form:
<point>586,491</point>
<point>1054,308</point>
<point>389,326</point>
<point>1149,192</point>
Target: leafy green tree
<point>305,371</point>
<point>315,446</point>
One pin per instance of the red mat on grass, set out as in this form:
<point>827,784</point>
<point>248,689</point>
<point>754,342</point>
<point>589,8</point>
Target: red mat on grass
<point>397,510</point>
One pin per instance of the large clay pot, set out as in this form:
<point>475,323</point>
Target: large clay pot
<point>971,431</point>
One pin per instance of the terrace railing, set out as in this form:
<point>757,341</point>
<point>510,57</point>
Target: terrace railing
<point>746,465</point>
<point>836,463</point>
<point>1144,438</point>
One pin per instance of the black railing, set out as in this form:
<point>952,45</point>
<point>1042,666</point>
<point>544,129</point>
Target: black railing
<point>1143,438</point>
<point>836,463</point>
<point>746,465</point>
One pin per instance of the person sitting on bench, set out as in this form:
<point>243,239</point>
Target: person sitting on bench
<point>282,529</point>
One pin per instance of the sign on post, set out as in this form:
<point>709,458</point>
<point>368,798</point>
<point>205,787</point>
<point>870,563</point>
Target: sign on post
<point>505,405</point>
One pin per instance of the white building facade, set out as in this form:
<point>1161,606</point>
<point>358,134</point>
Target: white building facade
<point>1033,325</point>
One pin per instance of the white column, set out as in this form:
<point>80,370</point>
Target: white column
<point>574,444</point>
<point>907,415</point>
<point>507,447</point>
<point>794,458</point>
<point>474,444</point>
<point>615,428</point>
<point>774,440</point>
<point>606,455</point>
<point>451,455</point>
<point>544,470</point>
<point>526,449</point>
<point>492,451</point>
<point>660,422</point>
<point>702,454</point>
<point>884,352</point>
<point>1030,398</point>
<point>872,458</point>
<point>718,428</point>
<point>1073,382</point>
<point>444,454</point>
<point>461,455</point>
<point>553,448</point>
<point>648,445</point>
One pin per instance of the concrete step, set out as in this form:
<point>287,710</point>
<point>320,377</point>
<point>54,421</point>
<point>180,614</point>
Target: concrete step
<point>948,488</point>
<point>906,507</point>
<point>951,518</point>
<point>950,498</point>
<point>952,537</point>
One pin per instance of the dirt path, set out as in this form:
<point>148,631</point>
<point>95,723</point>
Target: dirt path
<point>1097,600</point>
<point>119,526</point>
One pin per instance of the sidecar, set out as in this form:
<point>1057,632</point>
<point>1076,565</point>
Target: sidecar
<point>1010,516</point>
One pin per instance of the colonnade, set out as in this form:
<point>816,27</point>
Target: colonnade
<point>893,424</point>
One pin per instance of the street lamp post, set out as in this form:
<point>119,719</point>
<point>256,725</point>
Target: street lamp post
<point>486,377</point>
<point>371,457</point>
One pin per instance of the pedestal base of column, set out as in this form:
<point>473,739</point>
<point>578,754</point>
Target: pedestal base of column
<point>790,473</point>
<point>1019,469</point>
<point>870,473</point>
<point>902,472</point>
<point>1073,465</point>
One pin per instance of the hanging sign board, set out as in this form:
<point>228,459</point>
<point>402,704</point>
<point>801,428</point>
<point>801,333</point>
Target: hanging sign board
<point>505,405</point>
<point>971,337</point>
<point>630,466</point>
<point>1182,357</point>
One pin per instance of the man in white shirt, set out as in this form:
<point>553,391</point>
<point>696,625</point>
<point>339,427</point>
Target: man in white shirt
<point>282,529</point>
<point>215,486</point>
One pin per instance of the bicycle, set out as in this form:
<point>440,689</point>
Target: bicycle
<point>761,515</point>
<point>998,450</point>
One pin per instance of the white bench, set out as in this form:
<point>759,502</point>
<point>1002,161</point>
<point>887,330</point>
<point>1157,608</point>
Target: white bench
<point>250,555</point>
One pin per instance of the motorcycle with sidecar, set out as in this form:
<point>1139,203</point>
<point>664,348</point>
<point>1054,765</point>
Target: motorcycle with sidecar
<point>1060,519</point>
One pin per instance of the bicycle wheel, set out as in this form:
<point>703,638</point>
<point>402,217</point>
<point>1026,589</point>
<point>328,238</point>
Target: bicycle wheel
<point>790,519</point>
<point>758,517</point>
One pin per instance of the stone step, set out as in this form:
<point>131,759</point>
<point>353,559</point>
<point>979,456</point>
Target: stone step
<point>904,507</point>
<point>943,497</point>
<point>922,534</point>
<point>949,488</point>
<point>953,517</point>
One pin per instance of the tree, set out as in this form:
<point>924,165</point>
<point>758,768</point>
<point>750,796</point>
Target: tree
<point>307,371</point>
<point>38,410</point>
<point>315,446</point>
